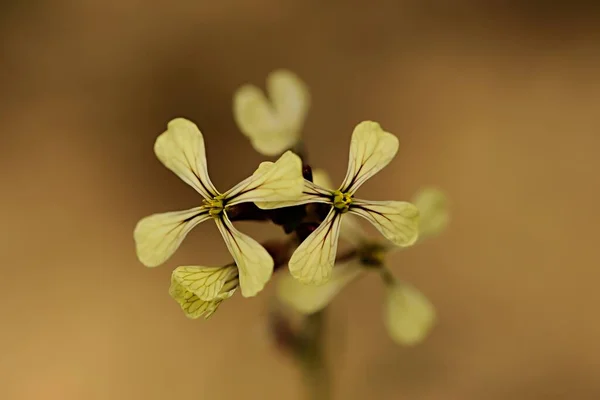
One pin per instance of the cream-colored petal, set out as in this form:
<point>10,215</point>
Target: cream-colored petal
<point>408,315</point>
<point>371,149</point>
<point>254,263</point>
<point>158,236</point>
<point>434,212</point>
<point>311,193</point>
<point>313,260</point>
<point>308,299</point>
<point>398,221</point>
<point>272,127</point>
<point>181,149</point>
<point>279,181</point>
<point>253,113</point>
<point>291,98</point>
<point>191,304</point>
<point>208,283</point>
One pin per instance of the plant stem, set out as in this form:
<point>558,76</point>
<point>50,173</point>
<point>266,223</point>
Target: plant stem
<point>314,366</point>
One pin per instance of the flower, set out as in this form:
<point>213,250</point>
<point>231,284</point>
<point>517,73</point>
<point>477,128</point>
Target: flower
<point>200,290</point>
<point>371,149</point>
<point>181,149</point>
<point>273,125</point>
<point>409,315</point>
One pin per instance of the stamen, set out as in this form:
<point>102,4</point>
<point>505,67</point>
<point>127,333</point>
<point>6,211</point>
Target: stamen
<point>342,201</point>
<point>231,284</point>
<point>215,206</point>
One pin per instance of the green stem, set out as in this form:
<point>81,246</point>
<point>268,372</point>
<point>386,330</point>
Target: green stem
<point>314,366</point>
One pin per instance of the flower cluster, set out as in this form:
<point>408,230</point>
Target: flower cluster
<point>288,193</point>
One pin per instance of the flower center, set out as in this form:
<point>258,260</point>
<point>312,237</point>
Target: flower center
<point>342,201</point>
<point>215,206</point>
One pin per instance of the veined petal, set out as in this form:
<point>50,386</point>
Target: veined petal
<point>308,299</point>
<point>279,181</point>
<point>193,306</point>
<point>313,260</point>
<point>408,315</point>
<point>158,236</point>
<point>311,193</point>
<point>371,149</point>
<point>272,127</point>
<point>181,149</point>
<point>208,283</point>
<point>254,263</point>
<point>398,221</point>
<point>433,209</point>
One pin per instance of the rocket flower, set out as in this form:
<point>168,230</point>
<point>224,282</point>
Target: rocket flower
<point>371,149</point>
<point>200,290</point>
<point>408,314</point>
<point>273,125</point>
<point>181,149</point>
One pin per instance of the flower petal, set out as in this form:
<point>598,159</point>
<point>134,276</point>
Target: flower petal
<point>311,193</point>
<point>208,283</point>
<point>408,315</point>
<point>398,221</point>
<point>192,305</point>
<point>158,236</point>
<point>371,150</point>
<point>308,299</point>
<point>272,128</point>
<point>290,96</point>
<point>279,181</point>
<point>181,149</point>
<point>313,260</point>
<point>254,263</point>
<point>433,209</point>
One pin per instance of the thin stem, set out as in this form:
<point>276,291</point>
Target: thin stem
<point>312,358</point>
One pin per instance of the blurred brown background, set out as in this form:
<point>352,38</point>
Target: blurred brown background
<point>495,102</point>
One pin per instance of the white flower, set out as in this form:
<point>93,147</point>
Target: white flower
<point>409,316</point>
<point>181,149</point>
<point>273,125</point>
<point>200,290</point>
<point>371,149</point>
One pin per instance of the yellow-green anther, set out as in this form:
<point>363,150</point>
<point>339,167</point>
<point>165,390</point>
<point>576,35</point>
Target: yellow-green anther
<point>342,201</point>
<point>215,206</point>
